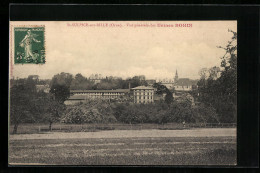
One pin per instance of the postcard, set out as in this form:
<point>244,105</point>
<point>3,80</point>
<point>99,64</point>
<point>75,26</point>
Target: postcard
<point>123,93</point>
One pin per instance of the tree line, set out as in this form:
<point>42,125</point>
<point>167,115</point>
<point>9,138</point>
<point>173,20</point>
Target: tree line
<point>79,82</point>
<point>97,111</point>
<point>217,86</point>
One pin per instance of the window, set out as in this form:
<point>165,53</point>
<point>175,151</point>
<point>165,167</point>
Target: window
<point>139,97</point>
<point>144,97</point>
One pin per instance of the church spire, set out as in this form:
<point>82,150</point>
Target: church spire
<point>176,76</point>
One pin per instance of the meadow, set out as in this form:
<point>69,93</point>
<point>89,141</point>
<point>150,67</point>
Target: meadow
<point>31,128</point>
<point>43,149</point>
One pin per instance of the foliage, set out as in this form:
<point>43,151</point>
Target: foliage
<point>23,97</point>
<point>162,89</point>
<point>52,110</point>
<point>62,79</point>
<point>60,92</point>
<point>79,82</point>
<point>60,86</point>
<point>168,98</point>
<point>221,92</point>
<point>163,113</point>
<point>92,111</point>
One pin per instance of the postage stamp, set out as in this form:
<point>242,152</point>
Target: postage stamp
<point>29,45</point>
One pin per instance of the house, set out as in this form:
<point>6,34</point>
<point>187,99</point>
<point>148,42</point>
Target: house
<point>96,78</point>
<point>179,84</point>
<point>169,83</point>
<point>143,94</point>
<point>185,84</point>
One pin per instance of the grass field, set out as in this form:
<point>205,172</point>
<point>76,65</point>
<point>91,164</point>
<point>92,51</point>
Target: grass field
<point>42,128</point>
<point>125,151</point>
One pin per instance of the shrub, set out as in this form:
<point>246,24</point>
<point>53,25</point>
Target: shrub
<point>94,111</point>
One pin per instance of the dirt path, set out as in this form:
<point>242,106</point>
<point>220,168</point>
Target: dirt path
<point>211,132</point>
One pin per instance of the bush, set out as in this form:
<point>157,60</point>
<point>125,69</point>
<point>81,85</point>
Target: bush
<point>94,111</point>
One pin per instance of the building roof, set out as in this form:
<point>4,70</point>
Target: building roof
<point>100,91</point>
<point>142,88</point>
<point>166,81</point>
<point>185,82</point>
<point>77,97</point>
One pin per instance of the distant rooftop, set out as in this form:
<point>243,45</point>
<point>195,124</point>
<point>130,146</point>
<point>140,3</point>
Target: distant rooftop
<point>142,88</point>
<point>77,97</point>
<point>185,82</point>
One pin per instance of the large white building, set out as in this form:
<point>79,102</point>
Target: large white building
<point>143,94</point>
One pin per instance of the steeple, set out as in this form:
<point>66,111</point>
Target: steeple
<point>176,76</point>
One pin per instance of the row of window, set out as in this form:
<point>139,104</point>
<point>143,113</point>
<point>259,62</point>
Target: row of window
<point>97,96</point>
<point>100,93</point>
<point>139,101</point>
<point>143,93</point>
<point>140,97</point>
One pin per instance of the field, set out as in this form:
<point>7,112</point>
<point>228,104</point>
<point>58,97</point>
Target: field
<point>126,147</point>
<point>43,128</point>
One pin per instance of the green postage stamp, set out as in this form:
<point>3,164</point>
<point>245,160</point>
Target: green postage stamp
<point>29,45</point>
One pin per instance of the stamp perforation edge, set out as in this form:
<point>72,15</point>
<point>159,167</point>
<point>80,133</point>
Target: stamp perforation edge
<point>12,44</point>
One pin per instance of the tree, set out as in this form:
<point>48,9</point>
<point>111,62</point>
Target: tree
<point>60,92</point>
<point>203,73</point>
<point>51,110</point>
<point>137,81</point>
<point>91,111</point>
<point>169,98</point>
<point>214,72</point>
<point>62,79</point>
<point>22,102</point>
<point>221,92</point>
<point>79,78</point>
<point>160,89</point>
<point>60,86</point>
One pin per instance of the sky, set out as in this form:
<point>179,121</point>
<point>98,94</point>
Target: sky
<point>117,48</point>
